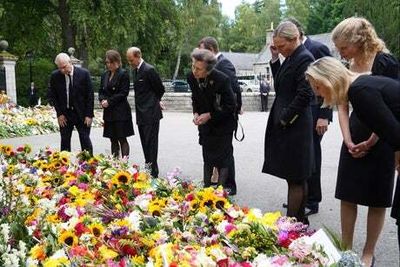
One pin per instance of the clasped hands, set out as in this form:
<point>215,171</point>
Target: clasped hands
<point>62,121</point>
<point>201,119</point>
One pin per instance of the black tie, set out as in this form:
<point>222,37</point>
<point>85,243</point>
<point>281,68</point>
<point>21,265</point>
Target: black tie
<point>69,101</point>
<point>135,71</point>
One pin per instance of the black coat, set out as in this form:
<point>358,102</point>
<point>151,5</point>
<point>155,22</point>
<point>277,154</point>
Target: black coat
<point>225,66</point>
<point>289,135</point>
<point>115,92</point>
<point>222,120</point>
<point>82,93</point>
<point>148,93</point>
<point>319,50</point>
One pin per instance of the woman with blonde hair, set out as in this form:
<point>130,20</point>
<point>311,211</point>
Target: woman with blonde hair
<point>376,103</point>
<point>365,173</point>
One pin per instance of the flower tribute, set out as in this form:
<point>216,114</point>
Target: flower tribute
<point>63,209</point>
<point>19,121</point>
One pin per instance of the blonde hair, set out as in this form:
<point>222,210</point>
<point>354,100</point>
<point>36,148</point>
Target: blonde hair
<point>359,32</point>
<point>334,75</point>
<point>287,30</point>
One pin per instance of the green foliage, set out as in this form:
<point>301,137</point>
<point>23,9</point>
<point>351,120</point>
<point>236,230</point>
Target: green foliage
<point>41,69</point>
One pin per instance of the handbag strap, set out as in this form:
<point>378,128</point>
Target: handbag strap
<point>236,130</point>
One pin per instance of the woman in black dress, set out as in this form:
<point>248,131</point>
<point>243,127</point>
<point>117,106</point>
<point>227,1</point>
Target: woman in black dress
<point>376,102</point>
<point>288,152</point>
<point>117,115</point>
<point>366,173</point>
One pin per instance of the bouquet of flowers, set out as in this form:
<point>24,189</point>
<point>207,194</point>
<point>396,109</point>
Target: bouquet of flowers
<point>79,210</point>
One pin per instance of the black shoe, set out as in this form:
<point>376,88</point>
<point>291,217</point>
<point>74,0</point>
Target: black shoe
<point>309,211</point>
<point>230,192</point>
<point>284,205</point>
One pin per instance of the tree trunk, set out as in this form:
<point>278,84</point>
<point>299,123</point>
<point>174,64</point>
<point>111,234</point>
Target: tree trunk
<point>178,63</point>
<point>68,31</point>
<point>83,50</point>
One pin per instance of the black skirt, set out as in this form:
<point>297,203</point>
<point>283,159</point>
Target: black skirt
<point>217,150</point>
<point>369,180</point>
<point>118,129</point>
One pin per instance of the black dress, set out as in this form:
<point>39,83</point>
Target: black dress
<point>118,115</point>
<point>369,180</point>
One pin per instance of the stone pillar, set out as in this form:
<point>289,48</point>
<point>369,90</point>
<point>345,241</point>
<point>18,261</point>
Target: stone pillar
<point>7,62</point>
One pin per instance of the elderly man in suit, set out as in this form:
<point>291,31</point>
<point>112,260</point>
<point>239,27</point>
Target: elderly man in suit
<point>71,93</point>
<point>213,112</point>
<point>321,118</point>
<point>148,93</point>
<point>225,65</point>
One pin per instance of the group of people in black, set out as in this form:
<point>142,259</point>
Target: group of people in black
<point>299,117</point>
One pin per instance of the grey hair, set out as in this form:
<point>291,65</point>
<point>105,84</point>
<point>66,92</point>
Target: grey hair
<point>287,30</point>
<point>205,56</point>
<point>62,57</point>
<point>134,51</point>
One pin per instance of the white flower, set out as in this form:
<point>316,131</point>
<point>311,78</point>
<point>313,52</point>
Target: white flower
<point>135,219</point>
<point>142,201</point>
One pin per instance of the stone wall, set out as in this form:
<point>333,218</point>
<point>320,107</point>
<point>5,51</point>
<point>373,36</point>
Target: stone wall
<point>183,101</point>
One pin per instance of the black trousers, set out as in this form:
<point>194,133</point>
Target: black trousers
<point>149,139</point>
<point>314,183</point>
<point>73,120</point>
<point>264,102</point>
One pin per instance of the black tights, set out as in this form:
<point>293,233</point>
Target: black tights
<point>118,144</point>
<point>222,175</point>
<point>297,197</point>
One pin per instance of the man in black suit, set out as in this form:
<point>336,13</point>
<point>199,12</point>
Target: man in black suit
<point>71,93</point>
<point>225,65</point>
<point>321,119</point>
<point>33,97</point>
<point>148,93</point>
<point>213,112</point>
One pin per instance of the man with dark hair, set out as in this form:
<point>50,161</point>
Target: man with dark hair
<point>321,119</point>
<point>213,112</point>
<point>148,93</point>
<point>225,65</point>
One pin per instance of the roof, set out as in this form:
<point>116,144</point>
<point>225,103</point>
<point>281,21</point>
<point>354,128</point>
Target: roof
<point>241,61</point>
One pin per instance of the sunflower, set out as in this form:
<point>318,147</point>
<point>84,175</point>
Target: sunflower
<point>121,178</point>
<point>53,218</point>
<point>156,206</point>
<point>7,149</point>
<point>68,238</point>
<point>64,157</point>
<point>106,253</point>
<point>96,229</point>
<point>207,199</point>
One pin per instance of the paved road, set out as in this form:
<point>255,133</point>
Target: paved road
<point>179,148</point>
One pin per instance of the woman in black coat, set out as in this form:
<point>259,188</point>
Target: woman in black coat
<point>289,133</point>
<point>117,114</point>
<point>375,100</point>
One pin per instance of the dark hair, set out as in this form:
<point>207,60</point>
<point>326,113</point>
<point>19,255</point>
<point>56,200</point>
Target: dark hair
<point>206,56</point>
<point>210,43</point>
<point>298,25</point>
<point>113,56</point>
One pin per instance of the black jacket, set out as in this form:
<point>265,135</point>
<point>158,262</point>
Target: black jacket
<point>289,150</point>
<point>216,98</point>
<point>115,92</point>
<point>225,66</point>
<point>148,93</point>
<point>82,93</point>
<point>319,50</point>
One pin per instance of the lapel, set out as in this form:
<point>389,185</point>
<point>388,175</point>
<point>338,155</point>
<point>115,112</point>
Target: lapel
<point>288,64</point>
<point>140,71</point>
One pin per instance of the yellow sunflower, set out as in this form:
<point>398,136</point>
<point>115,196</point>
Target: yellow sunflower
<point>121,178</point>
<point>107,253</point>
<point>156,206</point>
<point>7,149</point>
<point>68,238</point>
<point>96,229</point>
<point>64,157</point>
